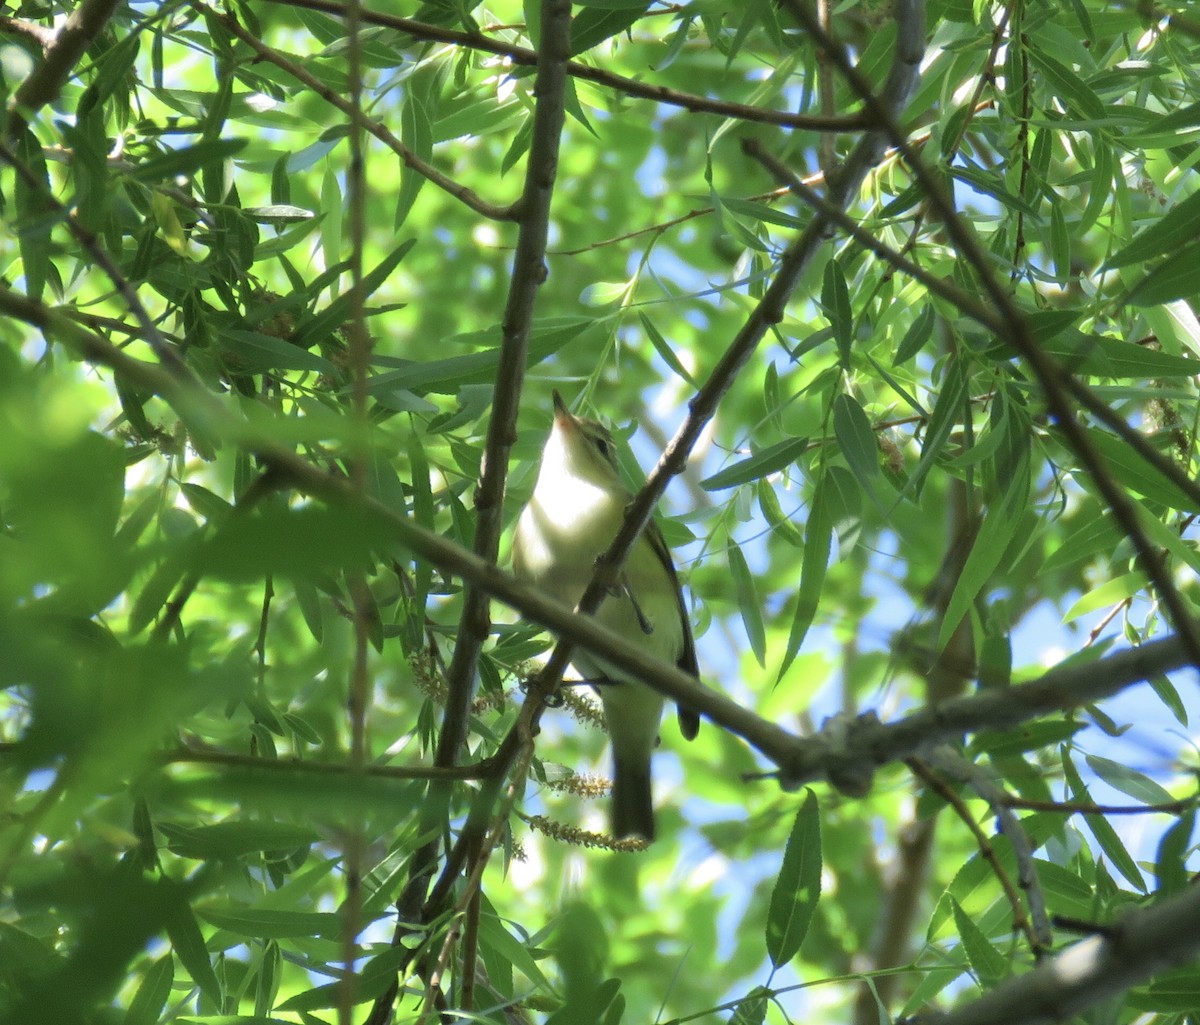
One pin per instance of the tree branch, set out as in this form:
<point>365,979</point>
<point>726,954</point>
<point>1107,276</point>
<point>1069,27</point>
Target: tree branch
<point>1144,942</point>
<point>46,81</point>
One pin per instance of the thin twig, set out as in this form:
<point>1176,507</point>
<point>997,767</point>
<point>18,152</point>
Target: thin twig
<point>464,195</point>
<point>986,850</point>
<point>525,57</point>
<point>949,761</point>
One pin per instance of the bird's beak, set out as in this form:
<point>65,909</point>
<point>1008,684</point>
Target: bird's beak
<point>562,415</point>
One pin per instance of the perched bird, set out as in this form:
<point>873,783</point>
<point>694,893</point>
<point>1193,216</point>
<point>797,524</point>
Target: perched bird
<point>576,509</point>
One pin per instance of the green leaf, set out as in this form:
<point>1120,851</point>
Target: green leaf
<point>255,352</point>
<point>818,541</point>
<point>596,23</point>
<point>1102,356</point>
<point>186,161</point>
<point>1164,235</point>
<point>798,886</point>
<point>766,461</point>
<point>835,301</point>
<point>36,214</point>
<point>1169,696</point>
<point>188,943</point>
<point>376,978</point>
<point>768,503</point>
<point>918,333</point>
<point>307,542</point>
<point>1128,780</point>
<point>1174,993</point>
<point>752,1008</point>
<point>235,839</point>
<point>1060,243</point>
<point>988,963</point>
<point>1173,279</point>
<point>1170,864</point>
<point>447,376</point>
<point>664,350</point>
<point>748,602</point>
<point>1131,471</point>
<point>274,923</point>
<point>856,440</point>
<point>995,534</point>
<point>1100,827</point>
<point>1068,86</point>
<point>321,326</point>
<point>152,993</point>
<point>947,412</point>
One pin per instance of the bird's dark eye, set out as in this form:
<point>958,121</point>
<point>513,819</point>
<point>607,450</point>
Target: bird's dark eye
<point>602,445</point>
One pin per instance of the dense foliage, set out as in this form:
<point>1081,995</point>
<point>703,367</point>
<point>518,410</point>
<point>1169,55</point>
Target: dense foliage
<point>286,287</point>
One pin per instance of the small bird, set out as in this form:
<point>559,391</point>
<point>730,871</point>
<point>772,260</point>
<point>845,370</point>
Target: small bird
<point>576,509</point>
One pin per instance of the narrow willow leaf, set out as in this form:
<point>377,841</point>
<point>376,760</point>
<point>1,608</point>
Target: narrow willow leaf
<point>1101,828</point>
<point>998,528</point>
<point>448,376</point>
<point>1173,849</point>
<point>152,995</point>
<point>1106,594</point>
<point>416,132</point>
<point>1131,471</point>
<point>857,441</point>
<point>768,503</point>
<point>1166,235</point>
<point>664,350</point>
<point>1069,86</point>
<point>256,351</point>
<point>748,602</point>
<point>1101,185</point>
<point>1060,244</point>
<point>273,923</point>
<point>188,942</point>
<point>752,1008</point>
<point>1169,696</point>
<point>594,24</point>
<point>185,161</point>
<point>1128,780</point>
<point>1175,278</point>
<point>918,333</point>
<point>763,463</point>
<point>835,301</point>
<point>423,509</point>
<point>266,983</point>
<point>818,539</point>
<point>798,887</point>
<point>988,963</point>
<point>234,839</point>
<point>325,323</point>
<point>947,412</point>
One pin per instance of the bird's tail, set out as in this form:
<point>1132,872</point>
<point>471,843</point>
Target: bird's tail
<point>632,802</point>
